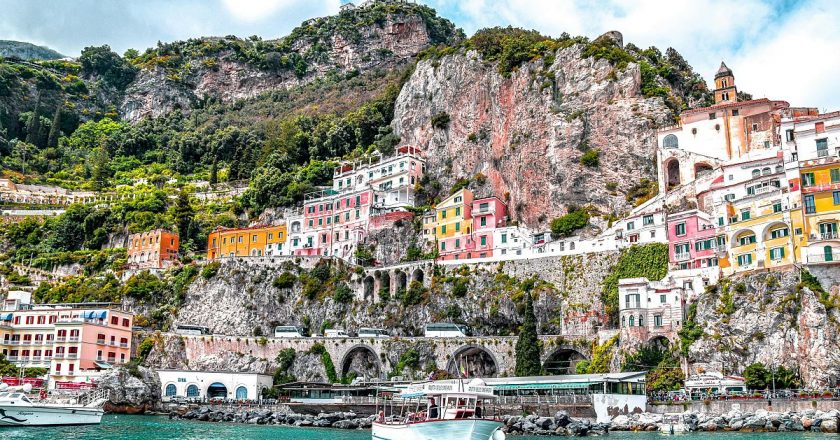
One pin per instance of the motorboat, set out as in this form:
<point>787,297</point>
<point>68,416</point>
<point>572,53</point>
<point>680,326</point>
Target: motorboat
<point>438,410</point>
<point>18,409</point>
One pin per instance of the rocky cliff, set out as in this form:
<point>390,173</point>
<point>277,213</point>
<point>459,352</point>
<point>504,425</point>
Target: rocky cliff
<point>770,318</point>
<point>527,130</point>
<point>27,51</point>
<point>178,75</point>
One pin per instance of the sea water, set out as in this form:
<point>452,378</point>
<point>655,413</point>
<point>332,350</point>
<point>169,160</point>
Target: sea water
<point>159,427</point>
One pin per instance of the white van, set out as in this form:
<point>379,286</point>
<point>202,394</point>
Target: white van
<point>288,331</point>
<point>446,330</point>
<point>335,333</point>
<point>367,332</point>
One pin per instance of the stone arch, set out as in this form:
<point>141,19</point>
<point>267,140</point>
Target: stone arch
<point>400,279</point>
<point>417,275</point>
<point>477,360</point>
<point>734,240</point>
<point>702,169</point>
<point>670,141</point>
<point>659,341</point>
<point>563,360</point>
<point>672,173</point>
<point>362,360</point>
<point>171,390</point>
<point>217,390</point>
<point>367,284</point>
<point>765,234</point>
<point>385,282</point>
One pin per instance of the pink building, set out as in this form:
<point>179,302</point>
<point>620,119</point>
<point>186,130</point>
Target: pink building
<point>693,241</point>
<point>333,223</point>
<point>473,223</point>
<point>72,341</point>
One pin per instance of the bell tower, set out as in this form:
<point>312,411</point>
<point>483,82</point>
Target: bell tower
<point>725,90</point>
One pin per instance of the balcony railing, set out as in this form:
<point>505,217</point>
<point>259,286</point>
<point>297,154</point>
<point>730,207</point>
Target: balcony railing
<point>58,356</point>
<point>71,355</point>
<point>823,257</point>
<point>682,256</point>
<point>12,358</point>
<point>60,339</point>
<point>828,235</point>
<point>100,341</point>
<point>14,342</point>
<point>123,344</point>
<point>112,360</point>
<point>73,339</point>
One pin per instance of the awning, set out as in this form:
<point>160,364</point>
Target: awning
<point>543,386</point>
<point>101,314</point>
<point>103,365</point>
<point>6,317</point>
<point>94,314</point>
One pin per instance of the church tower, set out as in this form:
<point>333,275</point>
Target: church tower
<point>725,90</point>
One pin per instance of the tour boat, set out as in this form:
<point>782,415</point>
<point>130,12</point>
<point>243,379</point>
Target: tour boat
<point>17,409</point>
<point>440,410</point>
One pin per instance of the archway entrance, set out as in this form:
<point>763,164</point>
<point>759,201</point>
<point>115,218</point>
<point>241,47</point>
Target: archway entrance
<point>472,361</point>
<point>563,361</point>
<point>672,173</point>
<point>217,390</point>
<point>241,393</point>
<point>417,275</point>
<point>385,283</point>
<point>360,361</point>
<point>401,280</point>
<point>701,169</point>
<point>368,286</point>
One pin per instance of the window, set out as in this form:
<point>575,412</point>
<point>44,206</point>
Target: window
<point>170,389</point>
<point>766,171</point>
<point>630,226</point>
<point>808,179</point>
<point>745,214</point>
<point>483,221</point>
<point>484,207</point>
<point>835,175</point>
<point>270,236</point>
<point>192,391</point>
<point>712,115</point>
<point>754,127</point>
<point>810,207</point>
<point>647,220</point>
<point>504,238</point>
<point>662,299</point>
<point>778,233</point>
<point>670,141</point>
<point>484,240</point>
<point>681,248</point>
<point>443,214</point>
<point>756,173</point>
<point>641,321</point>
<point>720,221</point>
<point>836,195</point>
<point>457,210</point>
<point>822,147</point>
<point>657,320</point>
<point>457,243</point>
<point>443,229</point>
<point>358,213</point>
<point>633,238</point>
<point>777,254</point>
<point>458,199</point>
<point>632,299</point>
<point>443,245</point>
<point>457,226</point>
<point>680,229</point>
<point>744,259</point>
<point>789,135</point>
<point>777,207</point>
<point>819,127</point>
<point>734,112</point>
<point>746,239</point>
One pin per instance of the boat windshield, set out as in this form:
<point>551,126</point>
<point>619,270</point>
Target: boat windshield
<point>3,395</point>
<point>26,399</point>
<point>14,396</point>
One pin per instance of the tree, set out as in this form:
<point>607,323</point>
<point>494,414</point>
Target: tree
<point>101,169</point>
<point>33,128</point>
<point>214,173</point>
<point>55,128</point>
<point>102,61</point>
<point>528,344</point>
<point>569,223</point>
<point>183,215</point>
<point>756,376</point>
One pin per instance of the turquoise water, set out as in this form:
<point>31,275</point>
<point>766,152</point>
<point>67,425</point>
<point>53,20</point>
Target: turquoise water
<point>160,428</point>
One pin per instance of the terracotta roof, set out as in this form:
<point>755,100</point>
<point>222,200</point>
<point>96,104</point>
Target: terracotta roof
<point>781,104</point>
<point>817,117</point>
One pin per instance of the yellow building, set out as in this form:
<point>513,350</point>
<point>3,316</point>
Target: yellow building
<point>254,241</point>
<point>820,181</point>
<point>453,216</point>
<point>760,234</point>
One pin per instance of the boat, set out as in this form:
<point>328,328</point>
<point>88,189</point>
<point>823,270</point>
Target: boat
<point>18,409</point>
<point>438,410</point>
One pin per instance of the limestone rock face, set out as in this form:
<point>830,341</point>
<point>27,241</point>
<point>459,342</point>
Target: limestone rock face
<point>774,321</point>
<point>527,133</point>
<point>131,394</point>
<point>382,44</point>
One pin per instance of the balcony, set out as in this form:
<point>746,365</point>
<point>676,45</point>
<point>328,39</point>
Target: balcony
<point>71,356</point>
<point>123,344</point>
<point>828,235</point>
<point>13,358</point>
<point>112,360</point>
<point>60,339</point>
<point>25,342</point>
<point>633,305</point>
<point>14,342</point>
<point>823,257</point>
<point>682,256</point>
<point>100,342</point>
<point>58,356</point>
<point>73,339</point>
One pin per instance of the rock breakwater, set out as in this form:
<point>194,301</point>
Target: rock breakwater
<point>759,421</point>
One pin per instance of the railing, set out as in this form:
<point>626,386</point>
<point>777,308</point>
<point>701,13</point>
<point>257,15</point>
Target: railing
<point>60,339</point>
<point>100,341</point>
<point>822,257</point>
<point>123,344</point>
<point>682,256</point>
<point>14,342</point>
<point>112,360</point>
<point>828,235</point>
<point>71,355</point>
<point>58,356</point>
<point>73,339</point>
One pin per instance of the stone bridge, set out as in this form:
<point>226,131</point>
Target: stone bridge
<point>391,279</point>
<point>485,356</point>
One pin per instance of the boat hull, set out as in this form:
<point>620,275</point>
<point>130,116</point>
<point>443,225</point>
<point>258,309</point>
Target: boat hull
<point>48,416</point>
<point>461,429</point>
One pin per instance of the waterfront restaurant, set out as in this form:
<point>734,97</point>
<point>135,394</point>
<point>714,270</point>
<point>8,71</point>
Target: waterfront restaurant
<point>212,385</point>
<point>630,383</point>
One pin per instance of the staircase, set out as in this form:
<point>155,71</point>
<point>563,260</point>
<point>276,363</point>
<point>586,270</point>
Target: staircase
<point>94,398</point>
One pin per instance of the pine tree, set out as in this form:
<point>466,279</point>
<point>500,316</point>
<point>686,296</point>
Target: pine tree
<point>183,216</point>
<point>528,345</point>
<point>55,128</point>
<point>101,169</point>
<point>214,173</point>
<point>33,127</point>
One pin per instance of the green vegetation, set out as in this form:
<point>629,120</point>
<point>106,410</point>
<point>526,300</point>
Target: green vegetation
<point>648,260</point>
<point>662,365</point>
<point>285,280</point>
<point>512,47</point>
<point>642,191</point>
<point>9,369</point>
<point>285,359</point>
<point>408,359</point>
<point>566,225</point>
<point>691,330</point>
<point>210,270</point>
<point>441,120</point>
<point>590,158</point>
<point>760,377</point>
<point>602,355</point>
<point>528,345</point>
<point>319,349</point>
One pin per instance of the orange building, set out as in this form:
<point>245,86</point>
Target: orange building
<point>253,241</point>
<point>153,250</point>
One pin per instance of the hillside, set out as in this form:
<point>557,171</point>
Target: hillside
<point>27,51</point>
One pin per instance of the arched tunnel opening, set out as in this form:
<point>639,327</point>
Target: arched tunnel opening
<point>563,361</point>
<point>472,361</point>
<point>368,285</point>
<point>360,361</point>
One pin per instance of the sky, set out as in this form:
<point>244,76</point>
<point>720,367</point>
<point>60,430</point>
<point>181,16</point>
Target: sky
<point>779,49</point>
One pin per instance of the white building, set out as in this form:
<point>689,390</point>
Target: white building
<point>649,310</point>
<point>811,137</point>
<point>212,385</point>
<point>512,240</point>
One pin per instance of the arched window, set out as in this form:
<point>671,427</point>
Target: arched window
<point>670,141</point>
<point>756,173</point>
<point>192,391</point>
<point>632,320</point>
<point>624,321</point>
<point>170,390</point>
<point>765,171</point>
<point>828,254</point>
<point>779,169</point>
<point>241,393</point>
<point>641,321</point>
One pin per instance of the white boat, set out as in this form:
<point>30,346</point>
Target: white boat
<point>440,410</point>
<point>17,409</point>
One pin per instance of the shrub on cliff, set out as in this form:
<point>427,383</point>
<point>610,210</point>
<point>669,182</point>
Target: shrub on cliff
<point>343,294</point>
<point>285,280</point>
<point>590,158</point>
<point>210,270</point>
<point>528,345</point>
<point>564,226</point>
<point>441,120</point>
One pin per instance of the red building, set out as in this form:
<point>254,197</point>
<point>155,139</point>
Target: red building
<point>153,250</point>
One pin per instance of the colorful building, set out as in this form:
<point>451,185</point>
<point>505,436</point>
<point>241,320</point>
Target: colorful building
<point>453,226</point>
<point>463,227</point>
<point>155,249</point>
<point>253,241</point>
<point>650,310</point>
<point>693,242</point>
<point>72,341</point>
